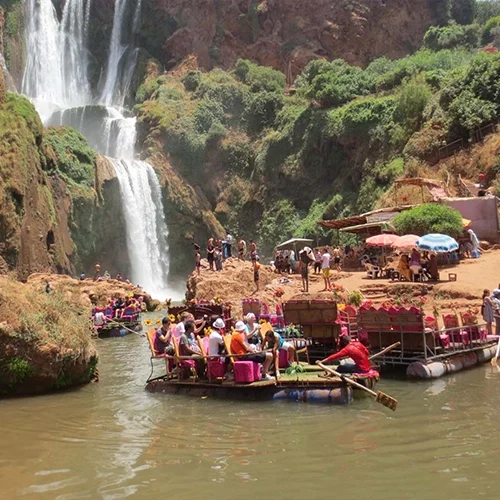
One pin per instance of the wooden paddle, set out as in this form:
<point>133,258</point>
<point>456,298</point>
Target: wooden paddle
<point>495,359</point>
<point>380,396</point>
<point>387,349</point>
<point>119,325</point>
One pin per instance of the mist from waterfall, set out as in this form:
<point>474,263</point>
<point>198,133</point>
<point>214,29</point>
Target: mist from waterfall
<point>57,80</point>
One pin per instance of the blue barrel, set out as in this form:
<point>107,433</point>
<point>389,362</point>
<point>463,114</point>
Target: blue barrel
<point>337,396</point>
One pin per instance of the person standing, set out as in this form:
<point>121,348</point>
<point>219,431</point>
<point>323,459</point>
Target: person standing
<point>336,259</point>
<point>197,256</point>
<point>242,249</point>
<point>325,269</point>
<point>487,311</point>
<point>218,259</point>
<point>97,273</point>
<point>317,262</point>
<point>253,251</point>
<point>304,259</point>
<point>229,245</point>
<point>256,274</point>
<point>210,253</point>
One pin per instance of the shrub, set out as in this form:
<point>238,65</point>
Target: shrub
<point>259,78</point>
<point>492,23</point>
<point>192,80</point>
<point>486,9</point>
<point>69,154</point>
<point>452,36</point>
<point>429,218</point>
<point>208,112</point>
<point>335,83</point>
<point>411,103</point>
<point>262,110</point>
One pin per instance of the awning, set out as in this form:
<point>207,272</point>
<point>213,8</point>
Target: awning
<point>295,244</point>
<point>369,228</point>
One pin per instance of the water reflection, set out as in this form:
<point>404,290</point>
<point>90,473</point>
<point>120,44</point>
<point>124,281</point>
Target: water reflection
<point>114,440</point>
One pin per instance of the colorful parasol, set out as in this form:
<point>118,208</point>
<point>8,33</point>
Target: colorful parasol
<point>436,242</point>
<point>381,240</point>
<point>405,242</point>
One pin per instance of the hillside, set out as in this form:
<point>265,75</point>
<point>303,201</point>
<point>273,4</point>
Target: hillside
<point>236,144</point>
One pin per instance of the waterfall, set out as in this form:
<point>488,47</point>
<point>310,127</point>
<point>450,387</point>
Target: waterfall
<point>56,78</point>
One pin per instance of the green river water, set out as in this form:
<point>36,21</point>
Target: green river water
<point>114,440</point>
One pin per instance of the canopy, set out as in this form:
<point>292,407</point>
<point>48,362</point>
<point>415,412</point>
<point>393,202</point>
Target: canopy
<point>436,242</point>
<point>295,244</point>
<point>406,241</point>
<point>382,240</point>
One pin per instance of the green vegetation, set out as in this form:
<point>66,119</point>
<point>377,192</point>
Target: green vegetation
<point>429,218</point>
<point>271,164</point>
<point>17,369</point>
<point>70,155</point>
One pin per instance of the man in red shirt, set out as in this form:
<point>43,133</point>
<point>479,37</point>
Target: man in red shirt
<point>354,350</point>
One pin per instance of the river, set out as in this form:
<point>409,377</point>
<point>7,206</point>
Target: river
<point>114,440</point>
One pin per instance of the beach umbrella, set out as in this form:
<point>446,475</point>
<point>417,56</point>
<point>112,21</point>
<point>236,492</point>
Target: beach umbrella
<point>381,240</point>
<point>440,243</point>
<point>406,241</point>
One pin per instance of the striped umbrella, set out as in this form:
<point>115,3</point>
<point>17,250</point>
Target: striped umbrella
<point>440,243</point>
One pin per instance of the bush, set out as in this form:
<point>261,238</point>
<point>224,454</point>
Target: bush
<point>192,80</point>
<point>208,112</point>
<point>335,83</point>
<point>69,154</point>
<point>262,110</point>
<point>429,218</point>
<point>259,78</point>
<point>411,103</point>
<point>452,36</point>
<point>492,23</point>
<point>485,10</point>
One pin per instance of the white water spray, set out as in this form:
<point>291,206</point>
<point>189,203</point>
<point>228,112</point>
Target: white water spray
<point>57,79</point>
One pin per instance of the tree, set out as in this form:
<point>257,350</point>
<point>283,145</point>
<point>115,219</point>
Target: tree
<point>451,36</point>
<point>429,218</point>
<point>411,103</point>
<point>462,11</point>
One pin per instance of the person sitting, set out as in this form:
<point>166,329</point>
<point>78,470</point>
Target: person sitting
<point>188,346</point>
<point>252,330</point>
<point>99,319</point>
<point>275,342</point>
<point>415,258</point>
<point>404,267</point>
<point>215,340</point>
<point>432,268</point>
<point>163,338</point>
<point>354,350</point>
<point>240,346</point>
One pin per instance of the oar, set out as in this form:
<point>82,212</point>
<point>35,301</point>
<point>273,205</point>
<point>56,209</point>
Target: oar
<point>380,396</point>
<point>494,360</point>
<point>387,349</point>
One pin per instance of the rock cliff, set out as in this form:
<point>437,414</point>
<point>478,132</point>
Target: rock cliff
<point>278,32</point>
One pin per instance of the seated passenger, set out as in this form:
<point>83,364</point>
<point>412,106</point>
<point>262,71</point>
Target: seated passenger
<point>163,338</point>
<point>188,346</point>
<point>252,330</point>
<point>239,345</point>
<point>354,350</point>
<point>99,319</point>
<point>215,340</point>
<point>274,341</point>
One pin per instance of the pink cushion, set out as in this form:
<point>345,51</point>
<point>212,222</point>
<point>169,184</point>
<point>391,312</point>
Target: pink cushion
<point>188,363</point>
<point>283,358</point>
<point>244,372</point>
<point>216,368</point>
<point>256,371</point>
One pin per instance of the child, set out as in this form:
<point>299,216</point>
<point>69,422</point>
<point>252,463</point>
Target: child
<point>197,257</point>
<point>487,311</point>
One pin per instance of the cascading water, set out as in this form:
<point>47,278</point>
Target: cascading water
<point>57,80</point>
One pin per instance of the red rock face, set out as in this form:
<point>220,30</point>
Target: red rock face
<point>275,32</point>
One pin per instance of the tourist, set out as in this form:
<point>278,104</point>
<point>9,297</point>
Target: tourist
<point>242,249</point>
<point>185,317</point>
<point>48,287</point>
<point>475,246</point>
<point>253,330</point>
<point>404,267</point>
<point>227,246</point>
<point>305,258</point>
<point>432,267</point>
<point>218,259</point>
<point>354,350</point>
<point>256,274</point>
<point>487,311</point>
<point>347,250</point>
<point>188,345</point>
<point>495,299</point>
<point>197,256</point>
<point>107,276</point>
<point>415,258</point>
<point>163,338</point>
<point>336,259</point>
<point>83,277</point>
<point>99,319</point>
<point>97,272</point>
<point>253,250</point>
<point>325,269</point>
<point>275,342</point>
<point>119,277</point>
<point>215,340</point>
<point>317,262</point>
<point>240,346</point>
<point>210,253</point>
